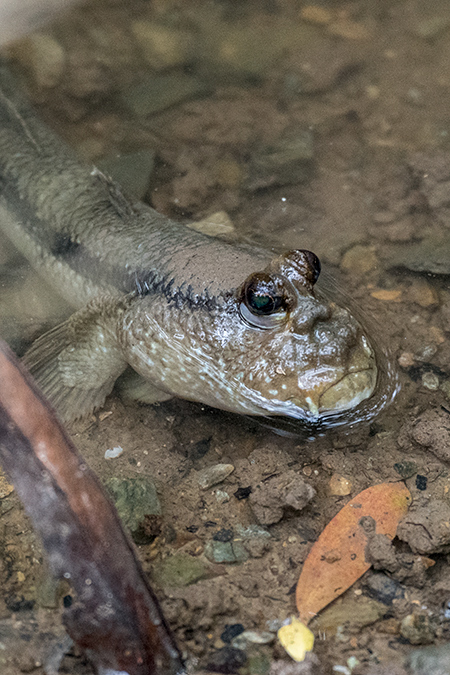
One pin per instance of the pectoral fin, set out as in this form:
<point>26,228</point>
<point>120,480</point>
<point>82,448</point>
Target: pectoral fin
<point>77,363</point>
<point>133,387</point>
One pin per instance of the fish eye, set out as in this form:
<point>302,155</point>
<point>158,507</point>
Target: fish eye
<point>261,295</point>
<point>263,303</point>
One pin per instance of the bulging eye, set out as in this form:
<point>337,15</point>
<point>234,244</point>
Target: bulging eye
<point>263,303</point>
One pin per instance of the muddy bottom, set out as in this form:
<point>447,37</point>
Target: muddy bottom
<point>312,126</point>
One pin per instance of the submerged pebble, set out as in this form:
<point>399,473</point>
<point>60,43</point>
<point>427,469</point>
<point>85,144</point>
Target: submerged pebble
<point>216,225</point>
<point>359,259</point>
<point>162,46</point>
<point>253,637</point>
<point>213,475</point>
<point>153,93</point>
<point>112,453</point>
<point>5,487</point>
<point>289,160</point>
<point>352,611</point>
<point>222,497</point>
<point>135,499</point>
<point>383,588</point>
<point>225,551</point>
<point>131,170</point>
<point>43,57</point>
<point>418,629</point>
<point>339,485</point>
<point>178,570</point>
<point>430,660</point>
<point>269,498</point>
<point>227,660</point>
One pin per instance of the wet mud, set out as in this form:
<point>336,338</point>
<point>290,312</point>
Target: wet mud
<point>314,126</point>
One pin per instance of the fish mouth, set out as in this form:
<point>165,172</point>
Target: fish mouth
<point>349,392</point>
<point>345,394</point>
<point>339,392</point>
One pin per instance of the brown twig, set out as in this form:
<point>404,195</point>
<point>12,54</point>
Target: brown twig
<point>116,618</point>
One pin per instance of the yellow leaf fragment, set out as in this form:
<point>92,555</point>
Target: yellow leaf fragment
<point>297,639</point>
<point>337,559</point>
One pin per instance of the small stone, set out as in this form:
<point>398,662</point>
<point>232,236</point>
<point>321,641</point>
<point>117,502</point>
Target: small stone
<point>257,547</point>
<point>349,30</point>
<point>430,381</point>
<point>384,589</point>
<point>430,256</point>
<point>431,26</point>
<point>253,637</point>
<point>158,92</point>
<point>310,666</point>
<point>135,498</point>
<point>112,453</point>
<point>224,535</point>
<point>231,631</point>
<point>430,660</point>
<point>431,430</point>
<point>252,532</point>
<point>225,552</point>
<point>216,225</point>
<point>384,217</point>
<point>373,92</point>
<point>49,590</point>
<point>178,570</point>
<point>445,388</point>
<point>353,611</point>
<point>426,529</point>
<point>400,231</point>
<point>423,294</point>
<point>310,70</point>
<point>5,487</point>
<point>389,626</point>
<point>285,162</point>
<point>316,14</point>
<point>44,57</point>
<point>437,335</point>
<point>359,260</point>
<point>258,662</point>
<point>131,170</point>
<point>209,477</point>
<point>406,360</point>
<point>339,485</point>
<point>222,497</point>
<point>227,660</point>
<point>417,628</point>
<point>405,469</point>
<point>162,46</point>
<point>421,482</point>
<point>271,497</point>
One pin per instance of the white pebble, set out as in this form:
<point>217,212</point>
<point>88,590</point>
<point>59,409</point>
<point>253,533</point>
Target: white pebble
<point>115,452</point>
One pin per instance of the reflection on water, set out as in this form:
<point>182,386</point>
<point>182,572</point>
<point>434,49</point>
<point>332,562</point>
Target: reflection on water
<point>322,127</point>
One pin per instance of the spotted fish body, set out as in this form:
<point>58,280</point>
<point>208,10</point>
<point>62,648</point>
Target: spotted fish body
<point>227,325</point>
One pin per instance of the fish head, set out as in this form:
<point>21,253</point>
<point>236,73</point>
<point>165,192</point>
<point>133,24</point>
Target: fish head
<point>305,356</point>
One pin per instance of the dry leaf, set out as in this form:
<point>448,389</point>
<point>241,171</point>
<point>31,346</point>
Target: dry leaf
<point>337,559</point>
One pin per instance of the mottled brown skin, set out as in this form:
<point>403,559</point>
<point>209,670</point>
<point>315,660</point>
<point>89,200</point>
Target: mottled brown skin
<point>223,324</point>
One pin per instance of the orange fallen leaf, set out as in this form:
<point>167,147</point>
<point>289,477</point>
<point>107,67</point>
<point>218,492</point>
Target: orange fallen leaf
<point>337,559</point>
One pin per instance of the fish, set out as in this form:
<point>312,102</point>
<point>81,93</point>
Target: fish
<point>229,325</point>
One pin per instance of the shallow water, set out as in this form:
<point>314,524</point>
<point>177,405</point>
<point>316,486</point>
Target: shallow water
<point>321,127</point>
